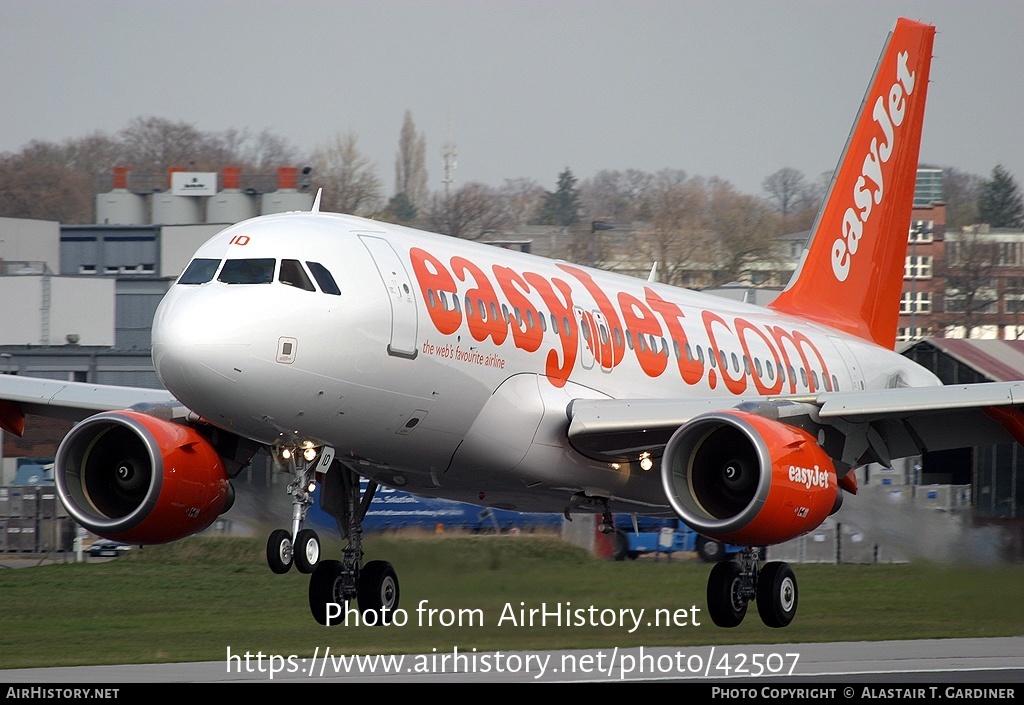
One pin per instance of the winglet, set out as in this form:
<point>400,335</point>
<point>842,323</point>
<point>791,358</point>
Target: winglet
<point>851,277</point>
<point>316,201</point>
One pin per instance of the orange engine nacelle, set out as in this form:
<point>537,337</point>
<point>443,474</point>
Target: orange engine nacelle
<point>134,478</point>
<point>742,478</point>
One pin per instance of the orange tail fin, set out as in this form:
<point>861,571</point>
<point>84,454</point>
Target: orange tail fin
<point>851,276</point>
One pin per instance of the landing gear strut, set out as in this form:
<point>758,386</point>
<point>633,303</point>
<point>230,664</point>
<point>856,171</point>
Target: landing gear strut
<point>300,546</point>
<point>334,584</point>
<point>733,584</point>
<point>582,502</point>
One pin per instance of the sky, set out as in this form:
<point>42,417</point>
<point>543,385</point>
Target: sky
<point>736,89</point>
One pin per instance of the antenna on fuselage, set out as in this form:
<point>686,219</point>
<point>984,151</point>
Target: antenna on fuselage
<point>316,201</point>
<point>653,276</point>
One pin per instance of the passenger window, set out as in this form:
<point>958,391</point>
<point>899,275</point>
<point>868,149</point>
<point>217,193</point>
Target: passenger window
<point>248,271</point>
<point>199,271</point>
<point>324,278</point>
<point>293,274</point>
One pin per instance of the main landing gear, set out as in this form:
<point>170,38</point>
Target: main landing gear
<point>299,546</point>
<point>334,584</point>
<point>732,584</point>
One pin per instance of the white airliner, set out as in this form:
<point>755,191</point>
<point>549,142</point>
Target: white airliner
<point>352,348</point>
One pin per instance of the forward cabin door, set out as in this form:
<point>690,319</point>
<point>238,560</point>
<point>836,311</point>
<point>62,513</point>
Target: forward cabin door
<point>396,279</point>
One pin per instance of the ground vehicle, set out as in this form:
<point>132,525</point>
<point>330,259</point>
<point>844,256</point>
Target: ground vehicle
<point>107,548</point>
<point>663,535</point>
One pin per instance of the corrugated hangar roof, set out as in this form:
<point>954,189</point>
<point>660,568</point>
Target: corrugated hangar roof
<point>999,360</point>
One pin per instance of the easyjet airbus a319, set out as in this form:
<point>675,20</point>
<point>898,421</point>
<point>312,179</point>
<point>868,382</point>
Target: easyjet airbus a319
<point>354,349</point>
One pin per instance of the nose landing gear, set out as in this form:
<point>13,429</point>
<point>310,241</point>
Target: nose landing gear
<point>300,546</point>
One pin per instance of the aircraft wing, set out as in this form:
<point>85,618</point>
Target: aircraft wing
<point>860,427</point>
<point>67,400</point>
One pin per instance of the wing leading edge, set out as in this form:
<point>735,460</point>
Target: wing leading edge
<point>75,401</point>
<point>855,427</point>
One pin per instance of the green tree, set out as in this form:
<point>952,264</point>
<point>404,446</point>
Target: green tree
<point>1000,204</point>
<point>561,206</point>
<point>399,209</point>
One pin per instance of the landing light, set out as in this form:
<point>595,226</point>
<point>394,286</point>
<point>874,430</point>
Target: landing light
<point>309,454</point>
<point>645,461</point>
<point>286,453</point>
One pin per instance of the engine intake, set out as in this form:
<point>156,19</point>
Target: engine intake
<point>738,477</point>
<point>135,478</point>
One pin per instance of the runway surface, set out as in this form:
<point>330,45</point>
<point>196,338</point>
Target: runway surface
<point>949,661</point>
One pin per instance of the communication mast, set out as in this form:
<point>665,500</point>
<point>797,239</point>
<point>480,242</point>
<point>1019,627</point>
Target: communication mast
<point>449,153</point>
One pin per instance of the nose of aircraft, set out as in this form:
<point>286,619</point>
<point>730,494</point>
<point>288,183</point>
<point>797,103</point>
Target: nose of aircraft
<point>200,347</point>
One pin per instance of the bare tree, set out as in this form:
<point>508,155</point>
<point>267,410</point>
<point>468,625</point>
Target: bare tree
<point>468,212</point>
<point>47,190</point>
<point>410,164</point>
<point>785,189</point>
<point>794,198</point>
<point>971,290</point>
<point>153,144</point>
<point>960,190</point>
<point>521,199</point>
<point>619,196</point>
<point>348,178</point>
<point>679,241</point>
<point>745,229</point>
<point>263,151</point>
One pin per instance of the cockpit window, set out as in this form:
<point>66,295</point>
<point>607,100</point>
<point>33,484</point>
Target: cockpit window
<point>247,271</point>
<point>293,274</point>
<point>324,278</point>
<point>199,271</point>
